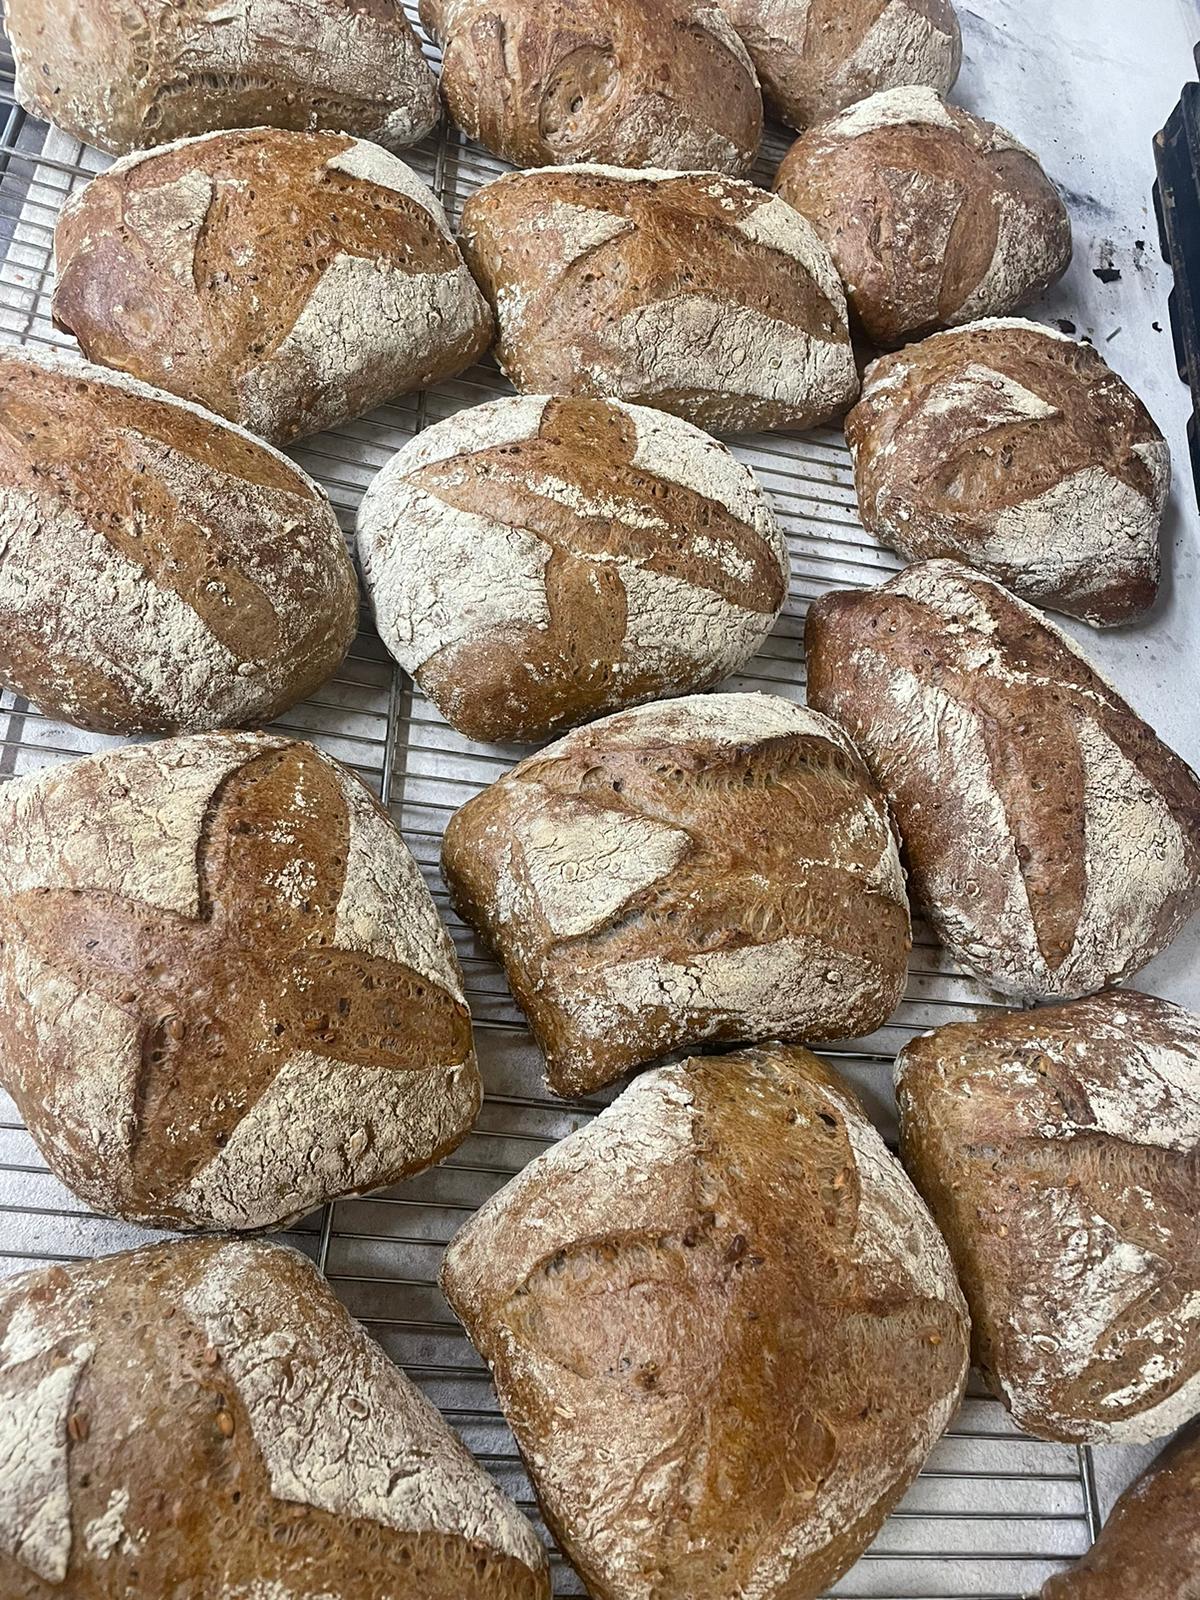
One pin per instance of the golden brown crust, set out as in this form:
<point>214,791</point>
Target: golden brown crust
<point>287,281</point>
<point>204,1421</point>
<point>1052,838</point>
<point>716,867</point>
<point>1019,451</point>
<point>122,77</point>
<point>814,57</point>
<point>722,1327</point>
<point>638,83</point>
<point>161,570</point>
<point>1058,1151</point>
<point>1150,1545</point>
<point>208,1014</point>
<point>934,217</point>
<point>538,562</point>
<point>697,294</point>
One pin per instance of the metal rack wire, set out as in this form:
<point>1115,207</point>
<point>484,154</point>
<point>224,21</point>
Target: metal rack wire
<point>994,1513</point>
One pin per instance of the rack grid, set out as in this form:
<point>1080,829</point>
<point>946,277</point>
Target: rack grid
<point>994,1513</point>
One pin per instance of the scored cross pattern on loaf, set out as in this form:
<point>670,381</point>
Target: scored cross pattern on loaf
<point>223,1000</point>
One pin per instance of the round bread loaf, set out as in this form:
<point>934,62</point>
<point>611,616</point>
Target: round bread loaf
<point>726,1287</point>
<point>1059,1151</point>
<point>160,570</point>
<point>1052,839</point>
<point>203,1420</point>
<point>717,867</point>
<point>638,83</point>
<point>535,562</point>
<point>1150,1545</point>
<point>690,292</point>
<point>122,77</point>
<point>814,57</point>
<point>934,217</point>
<point>225,994</point>
<point>1019,451</point>
<point>287,281</point>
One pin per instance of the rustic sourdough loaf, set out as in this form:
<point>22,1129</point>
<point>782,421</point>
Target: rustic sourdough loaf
<point>639,83</point>
<point>288,281</point>
<point>934,217</point>
<point>123,77</point>
<point>716,867</point>
<point>1059,1151</point>
<point>203,1420</point>
<point>535,562</point>
<point>1150,1546</point>
<point>814,57</point>
<point>723,1328</point>
<point>160,570</point>
<point>1019,451</point>
<point>225,994</point>
<point>694,293</point>
<point>1052,838</point>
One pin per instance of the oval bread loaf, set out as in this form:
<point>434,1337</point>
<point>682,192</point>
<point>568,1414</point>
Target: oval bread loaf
<point>933,217</point>
<point>716,867</point>
<point>726,1287</point>
<point>160,570</point>
<point>225,994</point>
<point>124,77</point>
<point>203,1419</point>
<point>813,57</point>
<point>1150,1545</point>
<point>287,281</point>
<point>535,562</point>
<point>1059,1151</point>
<point>1019,451</point>
<point>1052,838</point>
<point>694,293</point>
<point>638,83</point>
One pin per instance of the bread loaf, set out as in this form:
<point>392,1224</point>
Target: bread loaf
<point>814,57</point>
<point>535,562</point>
<point>723,1328</point>
<point>1150,1545</point>
<point>639,83</point>
<point>717,867</point>
<point>288,281</point>
<point>1051,837</point>
<point>1059,1151</point>
<point>124,77</point>
<point>225,994</point>
<point>694,293</point>
<point>160,570</point>
<point>203,1420</point>
<point>933,217</point>
<point>1019,451</point>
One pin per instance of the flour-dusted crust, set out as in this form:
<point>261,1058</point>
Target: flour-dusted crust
<point>1150,1545</point>
<point>723,1328</point>
<point>639,83</point>
<point>694,293</point>
<point>206,1414</point>
<point>714,867</point>
<point>288,281</point>
<point>537,562</point>
<point>124,77</point>
<point>1051,837</point>
<point>160,570</point>
<point>1059,1151</point>
<point>225,993</point>
<point>815,57</point>
<point>1020,452</point>
<point>933,216</point>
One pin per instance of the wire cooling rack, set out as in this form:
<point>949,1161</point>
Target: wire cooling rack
<point>994,1513</point>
